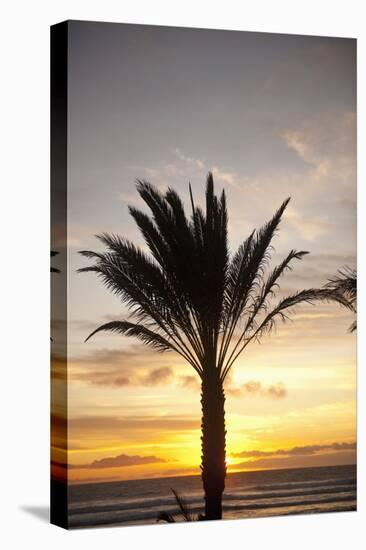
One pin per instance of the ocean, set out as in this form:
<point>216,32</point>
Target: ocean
<point>247,495</point>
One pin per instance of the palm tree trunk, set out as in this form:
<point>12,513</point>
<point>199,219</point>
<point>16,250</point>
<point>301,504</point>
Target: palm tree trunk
<point>213,464</point>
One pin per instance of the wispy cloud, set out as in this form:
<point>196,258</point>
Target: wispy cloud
<point>309,228</point>
<point>334,454</point>
<point>225,177</point>
<point>113,377</point>
<point>182,164</point>
<point>85,425</point>
<point>131,364</point>
<point>119,461</point>
<point>254,387</point>
<point>304,450</point>
<point>189,160</point>
<point>327,146</point>
<point>191,382</point>
<point>157,376</point>
<point>221,175</point>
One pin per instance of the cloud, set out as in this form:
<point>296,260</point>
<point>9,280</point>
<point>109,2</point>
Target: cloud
<point>120,368</point>
<point>58,367</point>
<point>276,391</point>
<point>127,368</point>
<point>231,178</point>
<point>191,382</point>
<point>85,425</point>
<point>157,376</point>
<point>327,145</point>
<point>96,432</point>
<point>58,431</point>
<point>310,228</point>
<point>298,451</point>
<point>320,460</point>
<point>189,160</point>
<point>254,387</point>
<point>119,461</point>
<point>113,357</point>
<point>333,454</point>
<point>317,269</point>
<point>76,324</point>
<point>221,175</point>
<point>347,203</point>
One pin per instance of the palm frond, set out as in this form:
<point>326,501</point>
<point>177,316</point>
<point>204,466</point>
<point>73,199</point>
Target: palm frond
<point>249,262</point>
<point>168,235</point>
<point>142,333</point>
<point>281,312</point>
<point>186,293</point>
<point>54,269</point>
<point>345,283</point>
<point>165,516</point>
<point>245,276</point>
<point>183,506</point>
<point>309,296</point>
<point>183,510</point>
<point>269,287</point>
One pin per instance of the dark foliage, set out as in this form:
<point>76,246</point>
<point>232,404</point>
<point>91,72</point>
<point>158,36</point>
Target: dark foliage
<point>184,511</point>
<point>345,284</point>
<point>54,269</point>
<point>190,296</point>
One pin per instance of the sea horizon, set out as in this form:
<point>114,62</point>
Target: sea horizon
<point>77,483</point>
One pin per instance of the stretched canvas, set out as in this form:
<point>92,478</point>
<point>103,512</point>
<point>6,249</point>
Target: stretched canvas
<point>203,272</point>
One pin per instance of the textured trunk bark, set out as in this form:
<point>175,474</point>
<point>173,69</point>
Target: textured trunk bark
<point>213,443</point>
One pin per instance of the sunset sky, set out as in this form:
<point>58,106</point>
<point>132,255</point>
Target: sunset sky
<point>272,116</point>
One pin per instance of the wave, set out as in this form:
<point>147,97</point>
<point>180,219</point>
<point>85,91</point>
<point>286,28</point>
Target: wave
<point>140,502</point>
<point>161,501</point>
<point>344,503</point>
<point>261,506</point>
<point>306,484</point>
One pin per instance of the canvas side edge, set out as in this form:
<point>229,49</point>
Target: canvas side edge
<point>59,275</point>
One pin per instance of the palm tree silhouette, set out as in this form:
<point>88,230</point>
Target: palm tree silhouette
<point>345,284</point>
<point>189,296</point>
<point>53,270</point>
<point>184,511</point>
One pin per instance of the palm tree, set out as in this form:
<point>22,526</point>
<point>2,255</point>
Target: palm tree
<point>54,269</point>
<point>345,284</point>
<point>189,296</point>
